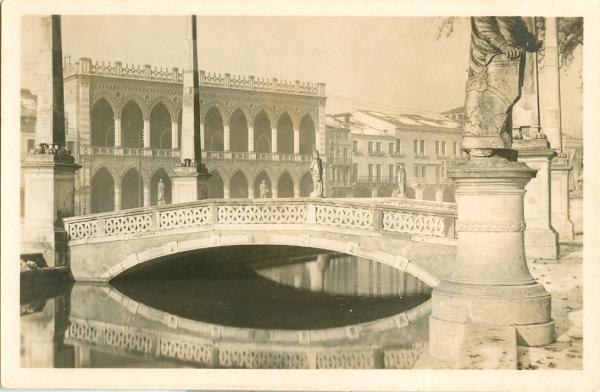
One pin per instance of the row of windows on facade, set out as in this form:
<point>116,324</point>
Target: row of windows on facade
<point>420,171</point>
<point>418,147</point>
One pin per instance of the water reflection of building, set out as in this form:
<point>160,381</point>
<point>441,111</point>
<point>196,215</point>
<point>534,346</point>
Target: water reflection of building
<point>126,120</point>
<point>427,146</point>
<point>346,275</point>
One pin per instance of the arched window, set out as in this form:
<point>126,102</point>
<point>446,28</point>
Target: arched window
<point>238,128</point>
<point>160,127</point>
<point>307,135</point>
<point>102,124</point>
<point>102,191</point>
<point>213,130</point>
<point>132,125</point>
<point>285,134</point>
<point>262,133</point>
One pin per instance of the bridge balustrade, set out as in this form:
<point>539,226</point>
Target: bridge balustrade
<point>411,217</point>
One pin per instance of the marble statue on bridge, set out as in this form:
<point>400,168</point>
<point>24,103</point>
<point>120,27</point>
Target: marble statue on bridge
<point>316,170</point>
<point>160,195</point>
<point>401,175</point>
<point>494,81</point>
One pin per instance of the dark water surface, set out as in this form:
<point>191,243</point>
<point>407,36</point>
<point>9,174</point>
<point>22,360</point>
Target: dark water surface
<point>201,309</point>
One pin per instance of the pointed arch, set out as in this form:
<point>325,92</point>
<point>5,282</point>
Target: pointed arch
<point>285,185</point>
<point>102,191</point>
<point>262,132</point>
<point>238,185</point>
<point>132,193</point>
<point>102,124</point>
<point>160,127</point>
<point>132,124</point>
<point>261,176</point>
<point>216,185</point>
<point>213,129</point>
<point>306,185</point>
<point>285,134</point>
<point>308,135</point>
<point>238,128</point>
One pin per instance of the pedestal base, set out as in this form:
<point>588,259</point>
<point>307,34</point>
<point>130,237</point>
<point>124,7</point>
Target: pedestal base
<point>190,184</point>
<point>559,189</point>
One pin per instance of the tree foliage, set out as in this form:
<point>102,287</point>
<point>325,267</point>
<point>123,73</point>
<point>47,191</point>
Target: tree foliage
<point>570,36</point>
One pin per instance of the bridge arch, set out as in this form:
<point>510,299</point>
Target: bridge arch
<point>102,191</point>
<point>102,124</point>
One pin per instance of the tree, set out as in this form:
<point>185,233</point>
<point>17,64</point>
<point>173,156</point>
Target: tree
<point>570,36</point>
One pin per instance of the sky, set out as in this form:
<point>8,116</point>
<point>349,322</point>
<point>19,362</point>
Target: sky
<point>386,63</point>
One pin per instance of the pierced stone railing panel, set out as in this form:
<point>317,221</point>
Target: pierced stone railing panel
<point>262,214</point>
<point>410,223</point>
<point>129,340</point>
<point>183,218</point>
<point>80,230</point>
<point>354,217</point>
<point>82,331</point>
<point>130,224</point>
<point>347,360</point>
<point>187,351</point>
<point>262,359</point>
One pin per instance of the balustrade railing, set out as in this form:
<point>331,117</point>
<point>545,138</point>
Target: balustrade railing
<point>103,150</point>
<point>405,216</point>
<point>173,74</point>
<point>257,156</point>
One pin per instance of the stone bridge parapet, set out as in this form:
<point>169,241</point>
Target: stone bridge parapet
<point>393,232</point>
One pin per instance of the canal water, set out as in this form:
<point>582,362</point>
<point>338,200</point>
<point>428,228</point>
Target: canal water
<point>236,307</point>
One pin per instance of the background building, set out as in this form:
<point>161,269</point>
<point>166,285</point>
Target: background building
<point>427,145</point>
<point>124,128</point>
<point>339,155</point>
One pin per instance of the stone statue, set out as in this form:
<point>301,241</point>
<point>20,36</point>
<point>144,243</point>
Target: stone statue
<point>316,170</point>
<point>264,189</point>
<point>494,81</point>
<point>160,196</point>
<point>401,174</point>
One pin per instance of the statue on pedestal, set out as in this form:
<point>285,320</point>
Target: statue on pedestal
<point>160,195</point>
<point>316,170</point>
<point>401,174</point>
<point>264,190</point>
<point>494,81</point>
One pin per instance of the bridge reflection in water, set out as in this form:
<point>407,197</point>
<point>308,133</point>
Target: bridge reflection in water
<point>237,307</point>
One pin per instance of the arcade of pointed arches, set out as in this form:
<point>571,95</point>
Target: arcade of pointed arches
<point>157,125</point>
<point>116,190</point>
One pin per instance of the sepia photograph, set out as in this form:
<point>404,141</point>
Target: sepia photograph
<point>241,190</point>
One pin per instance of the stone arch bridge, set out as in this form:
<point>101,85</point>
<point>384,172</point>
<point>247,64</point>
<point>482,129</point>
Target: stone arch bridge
<point>417,237</point>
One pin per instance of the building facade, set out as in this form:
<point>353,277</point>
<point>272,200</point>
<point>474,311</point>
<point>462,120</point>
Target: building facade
<point>124,128</point>
<point>339,153</point>
<point>425,145</point>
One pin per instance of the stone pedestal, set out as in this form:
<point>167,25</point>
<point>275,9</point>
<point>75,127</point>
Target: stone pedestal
<point>49,197</point>
<point>559,189</point>
<point>541,241</point>
<point>491,283</point>
<point>190,184</point>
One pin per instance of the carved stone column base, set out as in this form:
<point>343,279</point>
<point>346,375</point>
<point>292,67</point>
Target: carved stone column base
<point>190,184</point>
<point>491,283</point>
<point>49,197</point>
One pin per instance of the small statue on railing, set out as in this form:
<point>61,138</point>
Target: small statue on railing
<point>316,170</point>
<point>401,175</point>
<point>264,190</point>
<point>160,194</point>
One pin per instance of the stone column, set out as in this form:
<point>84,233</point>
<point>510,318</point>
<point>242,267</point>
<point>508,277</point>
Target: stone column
<point>118,137</point>
<point>250,191</point>
<point>117,197</point>
<point>49,174</point>
<point>296,140</point>
<point>174,140</point>
<point>146,133</point>
<point>226,138</point>
<point>550,87</point>
<point>226,190</point>
<point>250,138</point>
<point>274,191</point>
<point>146,193</point>
<point>490,283</point>
<point>296,190</point>
<point>190,180</point>
<point>559,189</point>
<point>439,195</point>
<point>541,241</point>
<point>273,140</point>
